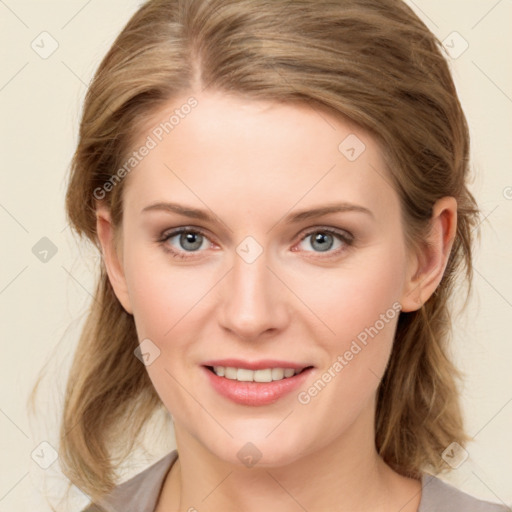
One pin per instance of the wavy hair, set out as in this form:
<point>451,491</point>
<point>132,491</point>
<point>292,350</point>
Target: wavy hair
<point>371,61</point>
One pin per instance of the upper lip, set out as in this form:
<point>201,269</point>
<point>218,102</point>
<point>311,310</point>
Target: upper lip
<point>255,365</point>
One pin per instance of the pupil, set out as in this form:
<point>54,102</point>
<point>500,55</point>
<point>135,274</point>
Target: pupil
<point>320,238</point>
<point>191,238</point>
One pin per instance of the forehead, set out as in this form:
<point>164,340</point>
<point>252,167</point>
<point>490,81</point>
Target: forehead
<point>258,152</point>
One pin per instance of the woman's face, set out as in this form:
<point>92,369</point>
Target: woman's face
<point>257,282</point>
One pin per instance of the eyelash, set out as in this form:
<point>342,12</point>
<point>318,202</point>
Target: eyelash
<point>343,236</point>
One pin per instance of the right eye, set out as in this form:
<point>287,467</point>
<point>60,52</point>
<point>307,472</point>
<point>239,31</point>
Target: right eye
<point>184,240</point>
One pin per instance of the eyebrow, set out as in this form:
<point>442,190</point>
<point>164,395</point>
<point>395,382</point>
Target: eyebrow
<point>195,213</point>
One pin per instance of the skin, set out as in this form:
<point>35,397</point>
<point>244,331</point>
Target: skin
<point>250,164</point>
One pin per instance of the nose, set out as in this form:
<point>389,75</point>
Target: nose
<point>254,301</point>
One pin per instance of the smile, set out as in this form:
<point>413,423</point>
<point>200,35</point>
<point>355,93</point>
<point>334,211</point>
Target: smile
<point>246,375</point>
<point>263,384</point>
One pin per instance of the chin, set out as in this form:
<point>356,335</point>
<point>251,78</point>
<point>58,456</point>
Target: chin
<point>260,450</point>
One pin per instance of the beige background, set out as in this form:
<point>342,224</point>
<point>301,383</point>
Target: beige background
<point>43,303</point>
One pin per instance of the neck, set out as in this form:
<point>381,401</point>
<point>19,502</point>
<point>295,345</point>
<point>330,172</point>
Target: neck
<point>346,474</point>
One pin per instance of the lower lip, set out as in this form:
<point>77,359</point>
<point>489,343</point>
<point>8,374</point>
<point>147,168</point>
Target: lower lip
<point>255,393</point>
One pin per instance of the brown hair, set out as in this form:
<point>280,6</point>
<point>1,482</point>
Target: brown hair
<point>371,61</point>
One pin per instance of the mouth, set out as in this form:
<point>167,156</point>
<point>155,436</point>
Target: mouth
<point>261,375</point>
<point>255,384</point>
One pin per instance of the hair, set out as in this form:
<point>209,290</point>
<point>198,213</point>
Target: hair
<point>373,62</point>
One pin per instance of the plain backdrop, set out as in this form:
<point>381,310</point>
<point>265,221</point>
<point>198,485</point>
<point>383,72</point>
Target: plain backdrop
<point>43,296</point>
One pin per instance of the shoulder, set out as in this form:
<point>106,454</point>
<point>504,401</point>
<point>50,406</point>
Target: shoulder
<point>438,496</point>
<point>139,493</point>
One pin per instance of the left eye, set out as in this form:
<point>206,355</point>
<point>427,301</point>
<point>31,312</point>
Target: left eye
<point>188,240</point>
<point>324,240</point>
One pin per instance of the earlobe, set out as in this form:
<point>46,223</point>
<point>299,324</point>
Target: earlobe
<point>111,256</point>
<point>429,262</point>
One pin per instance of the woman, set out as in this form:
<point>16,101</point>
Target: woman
<point>314,155</point>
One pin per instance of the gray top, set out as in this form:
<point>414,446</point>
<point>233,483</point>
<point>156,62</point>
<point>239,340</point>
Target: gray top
<point>140,493</point>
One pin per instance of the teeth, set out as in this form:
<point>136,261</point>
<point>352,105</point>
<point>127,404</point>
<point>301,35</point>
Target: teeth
<point>230,373</point>
<point>279,373</point>
<point>245,375</point>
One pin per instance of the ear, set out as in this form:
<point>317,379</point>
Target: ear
<point>428,263</point>
<point>112,256</point>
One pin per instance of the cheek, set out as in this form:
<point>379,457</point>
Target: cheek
<point>162,294</point>
<point>354,296</point>
<point>359,302</point>
<point>166,303</point>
